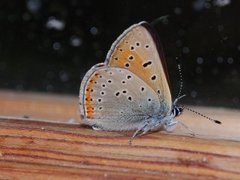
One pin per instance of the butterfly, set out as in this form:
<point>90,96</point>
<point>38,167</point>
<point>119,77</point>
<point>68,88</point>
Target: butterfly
<point>130,90</point>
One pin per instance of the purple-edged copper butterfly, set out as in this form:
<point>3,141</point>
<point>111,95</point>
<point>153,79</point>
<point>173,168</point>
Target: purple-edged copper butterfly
<point>130,90</point>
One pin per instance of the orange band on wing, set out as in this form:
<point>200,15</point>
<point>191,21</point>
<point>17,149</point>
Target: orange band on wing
<point>89,109</point>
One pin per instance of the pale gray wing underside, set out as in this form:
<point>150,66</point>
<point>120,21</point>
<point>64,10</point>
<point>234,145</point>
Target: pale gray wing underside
<point>116,99</point>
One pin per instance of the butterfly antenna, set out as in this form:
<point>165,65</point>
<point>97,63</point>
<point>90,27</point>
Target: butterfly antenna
<point>180,77</point>
<point>204,116</point>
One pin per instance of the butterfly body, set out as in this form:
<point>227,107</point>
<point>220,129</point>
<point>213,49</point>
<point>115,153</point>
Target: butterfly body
<point>130,90</point>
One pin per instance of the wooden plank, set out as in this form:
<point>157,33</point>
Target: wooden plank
<point>63,149</point>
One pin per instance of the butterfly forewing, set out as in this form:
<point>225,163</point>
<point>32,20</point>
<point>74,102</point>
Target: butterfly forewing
<point>136,50</point>
<point>115,95</point>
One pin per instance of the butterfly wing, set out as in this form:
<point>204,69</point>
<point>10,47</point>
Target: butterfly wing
<point>113,98</point>
<point>139,51</point>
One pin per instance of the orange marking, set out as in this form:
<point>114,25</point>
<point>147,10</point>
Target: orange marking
<point>88,96</point>
<point>136,65</point>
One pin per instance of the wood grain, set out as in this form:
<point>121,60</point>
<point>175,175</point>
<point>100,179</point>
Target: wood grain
<point>40,137</point>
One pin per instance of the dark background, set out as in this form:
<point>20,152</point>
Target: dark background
<point>48,45</point>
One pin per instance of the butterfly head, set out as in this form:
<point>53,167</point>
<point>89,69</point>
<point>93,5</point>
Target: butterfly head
<point>176,109</point>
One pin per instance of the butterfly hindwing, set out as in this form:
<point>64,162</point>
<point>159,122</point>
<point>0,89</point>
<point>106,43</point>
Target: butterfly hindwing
<point>112,97</point>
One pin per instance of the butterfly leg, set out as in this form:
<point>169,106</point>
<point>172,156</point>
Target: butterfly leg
<point>191,132</point>
<point>150,125</point>
<point>137,132</point>
<point>170,125</point>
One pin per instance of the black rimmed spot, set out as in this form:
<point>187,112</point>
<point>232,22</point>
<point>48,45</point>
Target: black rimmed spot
<point>117,94</point>
<point>154,77</point>
<point>149,99</point>
<point>127,65</point>
<point>124,91</point>
<point>109,81</point>
<point>102,93</point>
<point>120,49</point>
<point>129,76</point>
<point>91,90</point>
<point>158,91</point>
<point>100,108</point>
<point>131,57</point>
<point>146,64</point>
<point>123,82</point>
<point>138,44</point>
<point>99,100</point>
<point>147,46</point>
<point>103,85</point>
<point>132,48</point>
<point>116,58</point>
<point>130,98</point>
<point>100,76</point>
<point>87,89</point>
<point>142,89</point>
